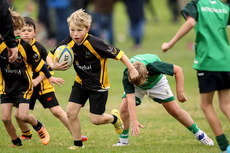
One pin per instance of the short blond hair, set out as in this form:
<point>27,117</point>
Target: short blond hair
<point>80,18</point>
<point>143,74</point>
<point>17,19</point>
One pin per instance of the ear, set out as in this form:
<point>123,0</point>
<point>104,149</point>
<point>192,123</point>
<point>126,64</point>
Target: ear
<point>35,32</point>
<point>87,30</point>
<point>147,72</point>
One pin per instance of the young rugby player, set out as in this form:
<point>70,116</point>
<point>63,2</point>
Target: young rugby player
<point>210,19</point>
<point>43,90</point>
<point>153,83</point>
<point>90,63</point>
<point>16,84</point>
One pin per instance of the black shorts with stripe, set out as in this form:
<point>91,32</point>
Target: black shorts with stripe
<point>97,100</point>
<point>210,81</point>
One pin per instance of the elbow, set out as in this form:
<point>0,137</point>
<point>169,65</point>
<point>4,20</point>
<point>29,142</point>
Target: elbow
<point>177,69</point>
<point>192,22</point>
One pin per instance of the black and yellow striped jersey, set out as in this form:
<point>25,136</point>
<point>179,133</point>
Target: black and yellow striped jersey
<point>16,78</point>
<point>90,61</point>
<point>44,87</point>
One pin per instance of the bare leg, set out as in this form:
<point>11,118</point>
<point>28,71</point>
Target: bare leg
<point>101,119</point>
<point>24,115</point>
<point>182,116</point>
<point>61,115</point>
<point>6,110</point>
<point>124,113</point>
<point>22,125</point>
<point>224,100</point>
<point>208,109</point>
<point>72,113</point>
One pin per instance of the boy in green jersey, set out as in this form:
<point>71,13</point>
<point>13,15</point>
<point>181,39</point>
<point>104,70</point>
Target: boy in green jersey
<point>209,18</point>
<point>153,83</point>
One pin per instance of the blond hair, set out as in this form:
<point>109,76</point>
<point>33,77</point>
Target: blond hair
<point>143,74</point>
<point>80,18</point>
<point>17,19</point>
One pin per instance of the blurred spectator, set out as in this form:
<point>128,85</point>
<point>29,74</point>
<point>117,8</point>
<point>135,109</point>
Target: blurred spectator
<point>102,25</point>
<point>151,8</point>
<point>78,4</point>
<point>175,9</point>
<point>135,10</point>
<point>61,13</point>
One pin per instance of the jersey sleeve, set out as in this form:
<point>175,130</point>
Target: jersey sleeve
<point>44,54</point>
<point>159,67</point>
<point>105,50</point>
<point>6,26</point>
<point>35,60</point>
<point>128,87</point>
<point>191,10</point>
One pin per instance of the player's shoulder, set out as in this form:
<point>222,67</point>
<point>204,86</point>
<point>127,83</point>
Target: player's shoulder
<point>94,41</point>
<point>39,45</point>
<point>24,44</point>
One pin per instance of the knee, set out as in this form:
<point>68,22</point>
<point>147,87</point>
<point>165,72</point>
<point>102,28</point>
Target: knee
<point>70,115</point>
<point>23,118</point>
<point>203,107</point>
<point>6,120</point>
<point>16,116</point>
<point>57,113</point>
<point>95,121</point>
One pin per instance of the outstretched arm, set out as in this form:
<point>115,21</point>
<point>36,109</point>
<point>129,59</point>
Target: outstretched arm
<point>135,125</point>
<point>179,83</point>
<point>133,72</point>
<point>185,28</point>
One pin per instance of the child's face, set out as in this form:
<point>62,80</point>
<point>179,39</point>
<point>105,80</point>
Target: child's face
<point>28,33</point>
<point>17,32</point>
<point>77,33</point>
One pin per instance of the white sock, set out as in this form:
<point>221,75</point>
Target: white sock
<point>124,140</point>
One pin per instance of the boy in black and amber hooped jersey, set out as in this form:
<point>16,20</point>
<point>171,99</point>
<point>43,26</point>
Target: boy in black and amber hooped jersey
<point>90,63</point>
<point>16,84</point>
<point>43,90</point>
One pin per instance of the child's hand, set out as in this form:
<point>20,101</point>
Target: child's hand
<point>181,97</point>
<point>35,82</point>
<point>55,80</point>
<point>12,54</point>
<point>135,130</point>
<point>60,66</point>
<point>133,74</point>
<point>165,46</point>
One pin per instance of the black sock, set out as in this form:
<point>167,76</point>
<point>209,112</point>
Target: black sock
<point>38,126</point>
<point>115,119</point>
<point>78,143</point>
<point>17,142</point>
<point>222,142</point>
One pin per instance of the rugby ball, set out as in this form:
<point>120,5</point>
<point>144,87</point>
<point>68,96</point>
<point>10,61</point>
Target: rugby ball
<point>64,53</point>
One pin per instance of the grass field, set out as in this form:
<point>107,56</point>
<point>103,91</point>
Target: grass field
<point>162,133</point>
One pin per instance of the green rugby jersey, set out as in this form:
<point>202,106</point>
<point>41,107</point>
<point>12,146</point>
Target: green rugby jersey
<point>156,70</point>
<point>212,46</point>
<point>90,61</point>
<point>16,78</point>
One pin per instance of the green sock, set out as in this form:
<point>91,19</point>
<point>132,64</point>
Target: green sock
<point>125,134</point>
<point>222,142</point>
<point>194,128</point>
